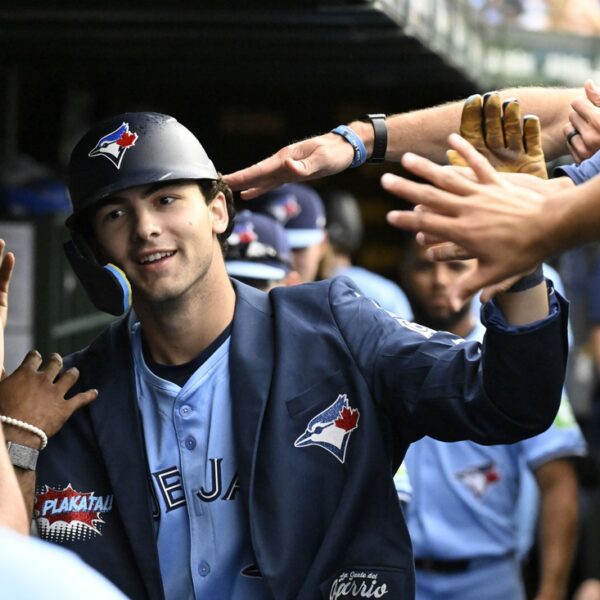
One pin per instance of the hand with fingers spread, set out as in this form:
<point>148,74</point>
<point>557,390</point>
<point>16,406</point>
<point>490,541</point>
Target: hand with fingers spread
<point>582,132</point>
<point>494,128</point>
<point>36,394</point>
<point>502,225</point>
<point>309,159</point>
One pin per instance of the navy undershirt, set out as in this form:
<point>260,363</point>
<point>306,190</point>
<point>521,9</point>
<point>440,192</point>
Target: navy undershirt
<point>179,374</point>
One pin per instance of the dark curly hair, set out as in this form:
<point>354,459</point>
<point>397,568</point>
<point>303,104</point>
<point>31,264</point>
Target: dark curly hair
<point>210,188</point>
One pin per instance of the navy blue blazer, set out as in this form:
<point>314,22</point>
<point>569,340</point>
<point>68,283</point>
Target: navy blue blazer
<point>328,391</point>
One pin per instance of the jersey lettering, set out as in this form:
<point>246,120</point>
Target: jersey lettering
<point>171,487</point>
<point>215,491</point>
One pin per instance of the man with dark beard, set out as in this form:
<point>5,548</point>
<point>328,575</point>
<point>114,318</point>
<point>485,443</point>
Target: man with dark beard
<point>463,516</point>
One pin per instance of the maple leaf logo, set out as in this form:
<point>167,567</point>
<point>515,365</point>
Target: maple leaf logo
<point>492,475</point>
<point>127,139</point>
<point>348,419</point>
<point>247,236</point>
<point>331,428</point>
<point>292,208</point>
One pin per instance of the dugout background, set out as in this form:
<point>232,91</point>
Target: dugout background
<point>246,77</point>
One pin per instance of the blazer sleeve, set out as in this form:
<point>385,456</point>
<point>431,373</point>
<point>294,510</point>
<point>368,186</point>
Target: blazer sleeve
<point>436,384</point>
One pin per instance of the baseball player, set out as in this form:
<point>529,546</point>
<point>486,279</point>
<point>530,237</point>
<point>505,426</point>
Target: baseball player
<point>258,253</point>
<point>300,211</point>
<point>243,444</point>
<point>344,236</point>
<point>464,517</point>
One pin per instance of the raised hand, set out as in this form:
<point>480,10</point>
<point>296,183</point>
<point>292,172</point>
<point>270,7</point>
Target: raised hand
<point>36,395</point>
<point>500,224</point>
<point>494,128</point>
<point>309,159</point>
<point>583,129</point>
<point>7,263</point>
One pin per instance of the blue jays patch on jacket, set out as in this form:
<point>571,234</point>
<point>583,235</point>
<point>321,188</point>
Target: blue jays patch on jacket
<point>331,428</point>
<point>67,514</point>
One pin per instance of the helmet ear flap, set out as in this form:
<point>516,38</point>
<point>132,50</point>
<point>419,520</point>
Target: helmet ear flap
<point>107,286</point>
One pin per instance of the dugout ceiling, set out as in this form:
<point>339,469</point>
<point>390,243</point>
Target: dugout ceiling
<point>277,69</point>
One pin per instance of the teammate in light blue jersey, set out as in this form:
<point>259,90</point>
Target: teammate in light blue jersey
<point>471,507</point>
<point>344,236</point>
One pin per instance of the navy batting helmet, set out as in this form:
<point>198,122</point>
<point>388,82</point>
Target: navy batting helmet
<point>125,151</point>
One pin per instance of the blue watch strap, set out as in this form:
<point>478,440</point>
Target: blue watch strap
<point>360,152</point>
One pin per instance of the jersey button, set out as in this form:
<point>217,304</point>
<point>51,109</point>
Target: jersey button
<point>204,568</point>
<point>190,442</point>
<point>185,410</point>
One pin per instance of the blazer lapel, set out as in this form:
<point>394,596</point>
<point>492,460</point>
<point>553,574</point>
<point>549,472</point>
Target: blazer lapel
<point>118,428</point>
<point>251,368</point>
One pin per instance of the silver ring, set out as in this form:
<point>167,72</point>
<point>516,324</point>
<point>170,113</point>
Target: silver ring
<point>571,135</point>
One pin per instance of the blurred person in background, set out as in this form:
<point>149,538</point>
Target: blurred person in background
<point>472,506</point>
<point>258,253</point>
<point>344,238</point>
<point>299,209</point>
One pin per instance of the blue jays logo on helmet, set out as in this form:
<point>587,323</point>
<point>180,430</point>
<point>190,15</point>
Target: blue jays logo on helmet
<point>114,145</point>
<point>331,428</point>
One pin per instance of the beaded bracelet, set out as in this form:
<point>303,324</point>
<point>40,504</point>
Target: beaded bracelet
<point>27,427</point>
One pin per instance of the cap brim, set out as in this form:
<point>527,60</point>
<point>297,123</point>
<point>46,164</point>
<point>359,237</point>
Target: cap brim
<point>254,270</point>
<point>302,238</point>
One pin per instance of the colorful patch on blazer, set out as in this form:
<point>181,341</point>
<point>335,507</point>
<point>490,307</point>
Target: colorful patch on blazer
<point>64,515</point>
<point>331,428</point>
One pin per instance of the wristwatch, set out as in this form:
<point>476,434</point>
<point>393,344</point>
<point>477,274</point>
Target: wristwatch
<point>379,137</point>
<point>23,457</point>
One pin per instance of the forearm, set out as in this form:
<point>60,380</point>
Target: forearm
<point>528,306</point>
<point>425,132</point>
<point>13,513</point>
<point>25,478</point>
<point>558,527</point>
<point>26,481</point>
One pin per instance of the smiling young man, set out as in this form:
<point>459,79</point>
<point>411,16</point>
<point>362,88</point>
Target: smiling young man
<point>243,444</point>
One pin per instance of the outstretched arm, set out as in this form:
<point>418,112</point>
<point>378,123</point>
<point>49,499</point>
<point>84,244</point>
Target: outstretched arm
<point>423,131</point>
<point>509,228</point>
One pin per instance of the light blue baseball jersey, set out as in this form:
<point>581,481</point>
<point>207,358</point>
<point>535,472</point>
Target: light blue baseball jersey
<point>465,495</point>
<point>203,537</point>
<point>385,292</point>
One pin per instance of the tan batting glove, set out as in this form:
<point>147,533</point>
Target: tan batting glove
<point>494,128</point>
